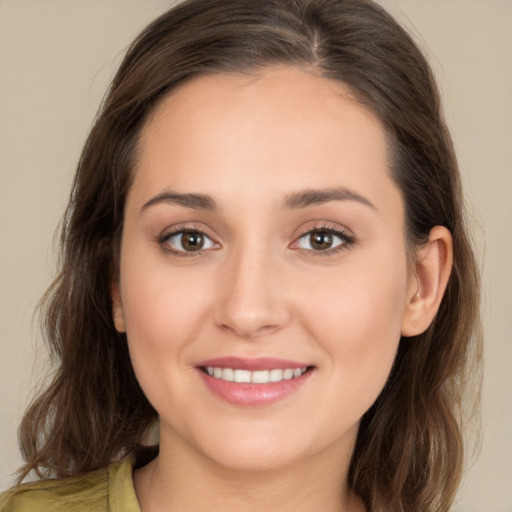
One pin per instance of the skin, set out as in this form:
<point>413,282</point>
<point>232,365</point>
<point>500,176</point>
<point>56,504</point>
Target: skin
<point>257,288</point>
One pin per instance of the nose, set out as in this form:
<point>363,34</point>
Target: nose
<point>252,300</point>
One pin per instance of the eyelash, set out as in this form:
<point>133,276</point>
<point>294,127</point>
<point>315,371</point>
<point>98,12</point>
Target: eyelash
<point>346,241</point>
<point>165,237</point>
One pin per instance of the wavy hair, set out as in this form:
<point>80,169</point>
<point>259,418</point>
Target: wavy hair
<point>409,452</point>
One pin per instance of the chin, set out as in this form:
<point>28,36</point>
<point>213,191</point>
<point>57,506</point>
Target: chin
<point>255,458</point>
<point>254,448</point>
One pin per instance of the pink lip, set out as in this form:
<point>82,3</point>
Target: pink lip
<point>261,363</point>
<point>252,395</point>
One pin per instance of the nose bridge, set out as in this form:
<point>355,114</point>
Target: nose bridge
<point>251,302</point>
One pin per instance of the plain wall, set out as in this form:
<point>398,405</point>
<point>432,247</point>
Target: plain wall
<point>56,59</point>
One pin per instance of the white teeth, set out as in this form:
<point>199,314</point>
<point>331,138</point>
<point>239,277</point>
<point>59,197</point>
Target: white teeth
<point>242,376</point>
<point>275,375</point>
<point>287,374</point>
<point>255,377</point>
<point>260,377</point>
<point>227,374</point>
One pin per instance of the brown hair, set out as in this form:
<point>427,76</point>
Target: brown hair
<point>409,451</point>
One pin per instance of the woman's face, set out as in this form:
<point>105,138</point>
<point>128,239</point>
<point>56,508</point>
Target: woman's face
<point>263,239</point>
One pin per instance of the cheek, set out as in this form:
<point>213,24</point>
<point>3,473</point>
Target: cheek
<point>357,321</point>
<point>161,303</point>
<point>163,311</point>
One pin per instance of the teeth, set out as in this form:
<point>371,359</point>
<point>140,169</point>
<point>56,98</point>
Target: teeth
<point>256,377</point>
<point>227,374</point>
<point>242,376</point>
<point>260,377</point>
<point>275,375</point>
<point>287,374</point>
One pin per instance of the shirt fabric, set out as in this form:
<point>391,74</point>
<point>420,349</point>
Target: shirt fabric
<point>106,490</point>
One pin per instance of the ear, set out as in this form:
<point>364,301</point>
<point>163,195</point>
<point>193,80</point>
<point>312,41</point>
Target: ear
<point>428,284</point>
<point>117,308</point>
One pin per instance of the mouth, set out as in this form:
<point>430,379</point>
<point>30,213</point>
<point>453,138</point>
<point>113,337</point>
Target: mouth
<point>254,377</point>
<point>253,382</point>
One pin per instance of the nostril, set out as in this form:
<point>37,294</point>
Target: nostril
<point>248,333</point>
<point>250,311</point>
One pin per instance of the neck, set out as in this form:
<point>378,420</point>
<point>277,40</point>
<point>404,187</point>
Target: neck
<point>181,479</point>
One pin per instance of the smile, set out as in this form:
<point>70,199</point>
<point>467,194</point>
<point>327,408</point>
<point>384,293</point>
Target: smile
<point>254,377</point>
<point>253,382</point>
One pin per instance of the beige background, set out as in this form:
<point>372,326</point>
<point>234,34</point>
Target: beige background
<point>56,58</point>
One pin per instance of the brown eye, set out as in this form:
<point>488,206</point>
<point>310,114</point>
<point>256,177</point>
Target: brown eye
<point>192,241</point>
<point>323,240</point>
<point>320,240</point>
<point>187,241</point>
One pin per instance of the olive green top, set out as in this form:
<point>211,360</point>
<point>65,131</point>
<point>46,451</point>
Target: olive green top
<point>106,490</point>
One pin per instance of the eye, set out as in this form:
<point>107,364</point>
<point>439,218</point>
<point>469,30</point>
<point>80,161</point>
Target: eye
<point>187,241</point>
<point>323,240</point>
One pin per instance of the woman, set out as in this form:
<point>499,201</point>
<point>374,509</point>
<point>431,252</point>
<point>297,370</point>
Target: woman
<point>265,249</point>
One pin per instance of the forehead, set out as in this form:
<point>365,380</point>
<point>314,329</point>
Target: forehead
<point>282,127</point>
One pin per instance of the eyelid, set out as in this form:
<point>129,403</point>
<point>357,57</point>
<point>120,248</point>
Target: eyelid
<point>342,233</point>
<point>184,228</point>
<point>345,235</point>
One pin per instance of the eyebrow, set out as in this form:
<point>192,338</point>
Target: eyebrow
<point>194,201</point>
<point>312,197</point>
<point>296,200</point>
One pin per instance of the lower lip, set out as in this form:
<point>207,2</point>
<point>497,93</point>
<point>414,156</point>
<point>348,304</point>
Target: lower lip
<point>253,395</point>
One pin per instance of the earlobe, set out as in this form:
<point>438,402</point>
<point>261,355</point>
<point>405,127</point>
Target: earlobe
<point>432,271</point>
<point>117,308</point>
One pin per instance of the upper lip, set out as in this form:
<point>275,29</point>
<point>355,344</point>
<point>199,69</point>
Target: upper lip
<point>255,364</point>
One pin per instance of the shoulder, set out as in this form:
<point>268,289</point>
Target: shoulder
<point>91,492</point>
<point>87,492</point>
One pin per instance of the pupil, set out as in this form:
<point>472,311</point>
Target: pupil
<point>192,241</point>
<point>321,240</point>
